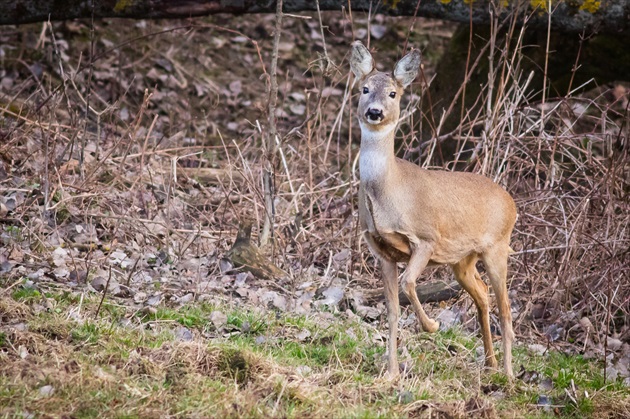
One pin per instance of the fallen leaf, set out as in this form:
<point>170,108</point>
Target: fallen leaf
<point>218,319</point>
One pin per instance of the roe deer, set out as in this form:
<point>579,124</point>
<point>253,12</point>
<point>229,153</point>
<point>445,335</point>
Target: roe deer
<point>427,217</point>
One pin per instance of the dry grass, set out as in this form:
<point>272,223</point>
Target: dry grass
<point>62,362</point>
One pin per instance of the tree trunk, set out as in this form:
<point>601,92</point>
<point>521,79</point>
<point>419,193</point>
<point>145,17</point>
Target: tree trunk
<point>570,16</point>
<point>572,61</point>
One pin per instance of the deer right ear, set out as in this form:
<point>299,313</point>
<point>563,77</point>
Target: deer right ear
<point>361,61</point>
<point>407,68</point>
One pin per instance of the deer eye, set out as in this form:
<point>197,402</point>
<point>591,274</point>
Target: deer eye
<point>366,90</point>
<point>392,95</point>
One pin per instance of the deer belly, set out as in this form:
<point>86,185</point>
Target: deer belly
<point>391,246</point>
<point>388,244</point>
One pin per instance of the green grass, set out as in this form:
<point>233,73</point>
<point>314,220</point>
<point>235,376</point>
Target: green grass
<point>188,316</point>
<point>261,364</point>
<point>26,294</point>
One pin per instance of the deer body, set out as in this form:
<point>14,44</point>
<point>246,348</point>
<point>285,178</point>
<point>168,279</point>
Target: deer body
<point>409,214</point>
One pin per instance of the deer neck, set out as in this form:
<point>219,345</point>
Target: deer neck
<point>377,161</point>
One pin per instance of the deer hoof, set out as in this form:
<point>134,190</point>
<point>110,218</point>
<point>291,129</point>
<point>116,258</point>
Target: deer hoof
<point>431,326</point>
<point>492,363</point>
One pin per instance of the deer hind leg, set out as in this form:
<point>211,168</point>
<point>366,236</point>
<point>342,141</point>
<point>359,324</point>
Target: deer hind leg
<point>468,277</point>
<point>390,279</point>
<point>420,256</point>
<point>495,262</point>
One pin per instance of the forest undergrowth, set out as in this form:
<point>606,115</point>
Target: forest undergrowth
<point>132,155</point>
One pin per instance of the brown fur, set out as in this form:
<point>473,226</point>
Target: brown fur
<point>409,214</point>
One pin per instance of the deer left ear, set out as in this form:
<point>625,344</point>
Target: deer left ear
<point>407,68</point>
<point>361,61</point>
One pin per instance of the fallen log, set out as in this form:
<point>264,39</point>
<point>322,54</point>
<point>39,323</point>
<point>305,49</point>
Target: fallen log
<point>428,292</point>
<point>566,16</point>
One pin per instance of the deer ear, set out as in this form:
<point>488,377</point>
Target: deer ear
<point>406,69</point>
<point>361,61</point>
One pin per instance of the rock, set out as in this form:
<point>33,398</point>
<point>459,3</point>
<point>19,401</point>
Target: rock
<point>46,391</point>
<point>333,296</point>
<point>154,300</point>
<point>23,352</point>
<point>303,335</point>
<point>554,332</point>
<point>448,318</point>
<point>614,344</point>
<point>368,312</point>
<point>545,402</point>
<point>611,373</point>
<point>185,299</point>
<point>241,278</point>
<point>225,266</point>
<point>5,267</point>
<point>183,334</point>
<point>98,283</point>
<point>61,272</point>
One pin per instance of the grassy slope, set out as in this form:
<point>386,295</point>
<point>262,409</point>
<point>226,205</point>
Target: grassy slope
<point>261,364</point>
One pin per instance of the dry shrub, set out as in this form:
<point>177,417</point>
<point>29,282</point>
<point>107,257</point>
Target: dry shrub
<point>172,172</point>
<point>572,237</point>
<point>566,162</point>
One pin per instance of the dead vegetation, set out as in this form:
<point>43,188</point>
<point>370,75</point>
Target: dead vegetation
<point>130,156</point>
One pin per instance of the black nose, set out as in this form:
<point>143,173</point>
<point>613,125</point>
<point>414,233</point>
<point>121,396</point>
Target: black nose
<point>374,114</point>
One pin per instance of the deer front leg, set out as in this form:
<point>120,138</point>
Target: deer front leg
<point>420,256</point>
<point>390,279</point>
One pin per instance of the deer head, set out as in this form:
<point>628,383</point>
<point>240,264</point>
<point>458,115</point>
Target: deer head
<point>379,103</point>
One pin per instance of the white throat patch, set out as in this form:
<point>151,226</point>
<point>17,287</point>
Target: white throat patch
<point>375,152</point>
